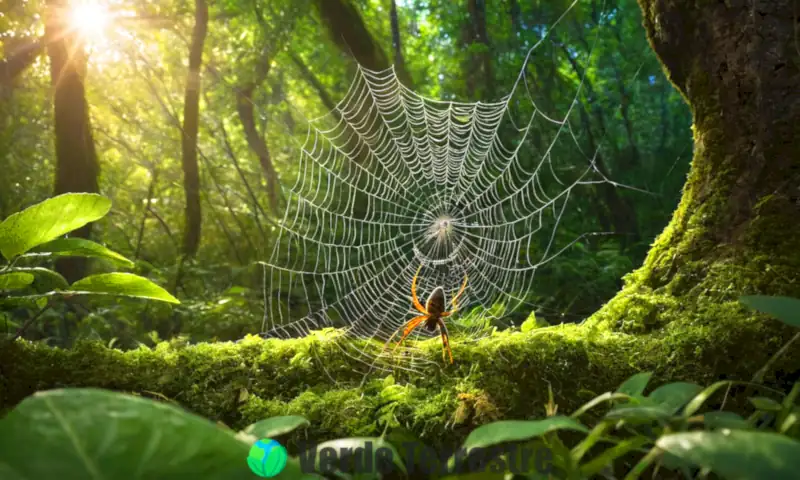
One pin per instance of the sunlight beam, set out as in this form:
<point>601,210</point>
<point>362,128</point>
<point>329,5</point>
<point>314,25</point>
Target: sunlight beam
<point>90,19</point>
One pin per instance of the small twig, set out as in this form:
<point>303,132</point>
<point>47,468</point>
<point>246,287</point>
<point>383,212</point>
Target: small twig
<point>30,321</point>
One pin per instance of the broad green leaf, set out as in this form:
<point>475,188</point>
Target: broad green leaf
<point>737,454</point>
<point>673,396</point>
<point>370,447</point>
<point>44,279</point>
<point>49,220</point>
<point>80,247</point>
<point>635,385</point>
<point>722,419</point>
<point>87,434</point>
<point>126,284</point>
<point>273,427</point>
<point>516,430</point>
<point>15,280</point>
<point>784,309</point>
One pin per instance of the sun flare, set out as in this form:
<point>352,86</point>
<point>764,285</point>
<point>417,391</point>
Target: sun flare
<point>89,18</point>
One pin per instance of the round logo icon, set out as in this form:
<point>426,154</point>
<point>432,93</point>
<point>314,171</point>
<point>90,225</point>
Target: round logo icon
<point>267,458</point>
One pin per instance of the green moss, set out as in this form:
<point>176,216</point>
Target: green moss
<point>504,376</point>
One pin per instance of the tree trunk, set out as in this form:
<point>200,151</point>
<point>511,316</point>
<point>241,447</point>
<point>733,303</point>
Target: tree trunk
<point>736,229</point>
<point>397,45</point>
<point>77,167</point>
<point>348,30</point>
<point>191,114</point>
<point>479,65</point>
<point>244,107</point>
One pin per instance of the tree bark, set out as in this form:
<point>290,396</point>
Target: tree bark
<point>397,45</point>
<point>348,30</point>
<point>736,229</point>
<point>244,107</point>
<point>77,167</point>
<point>191,114</point>
<point>480,64</point>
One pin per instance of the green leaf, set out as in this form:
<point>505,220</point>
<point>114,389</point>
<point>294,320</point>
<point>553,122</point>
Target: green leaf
<point>698,401</point>
<point>45,280</point>
<point>88,434</point>
<point>15,280</point>
<point>766,404</point>
<point>721,419</point>
<point>635,385</point>
<point>49,220</point>
<point>532,323</point>
<point>784,309</point>
<point>639,413</point>
<point>273,427</point>
<point>126,284</point>
<point>673,396</point>
<point>80,247</point>
<point>516,430</point>
<point>605,397</point>
<point>737,454</point>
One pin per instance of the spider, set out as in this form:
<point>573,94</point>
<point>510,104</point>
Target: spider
<point>432,313</point>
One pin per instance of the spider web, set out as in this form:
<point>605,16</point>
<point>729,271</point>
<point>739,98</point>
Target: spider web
<point>390,181</point>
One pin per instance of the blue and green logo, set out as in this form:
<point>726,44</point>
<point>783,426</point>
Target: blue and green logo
<point>267,458</point>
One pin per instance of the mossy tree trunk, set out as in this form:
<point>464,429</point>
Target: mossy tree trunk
<point>737,228</point>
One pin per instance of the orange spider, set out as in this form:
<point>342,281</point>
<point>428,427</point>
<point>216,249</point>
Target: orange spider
<point>432,313</point>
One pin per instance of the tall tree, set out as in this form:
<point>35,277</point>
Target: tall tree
<point>77,167</point>
<point>735,230</point>
<point>479,62</point>
<point>397,46</point>
<point>245,109</point>
<point>274,39</point>
<point>191,113</point>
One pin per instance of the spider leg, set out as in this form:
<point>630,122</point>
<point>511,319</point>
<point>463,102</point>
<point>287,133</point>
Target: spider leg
<point>445,340</point>
<point>414,297</point>
<point>460,291</point>
<point>410,326</point>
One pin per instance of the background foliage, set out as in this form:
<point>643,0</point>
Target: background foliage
<point>291,61</point>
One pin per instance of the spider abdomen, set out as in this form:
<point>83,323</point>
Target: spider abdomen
<point>435,305</point>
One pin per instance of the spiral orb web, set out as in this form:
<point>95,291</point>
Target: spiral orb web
<point>390,181</point>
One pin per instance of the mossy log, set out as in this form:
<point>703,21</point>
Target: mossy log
<point>505,376</point>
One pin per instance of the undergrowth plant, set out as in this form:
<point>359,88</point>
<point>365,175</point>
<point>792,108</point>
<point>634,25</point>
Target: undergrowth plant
<point>37,234</point>
<point>670,432</point>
